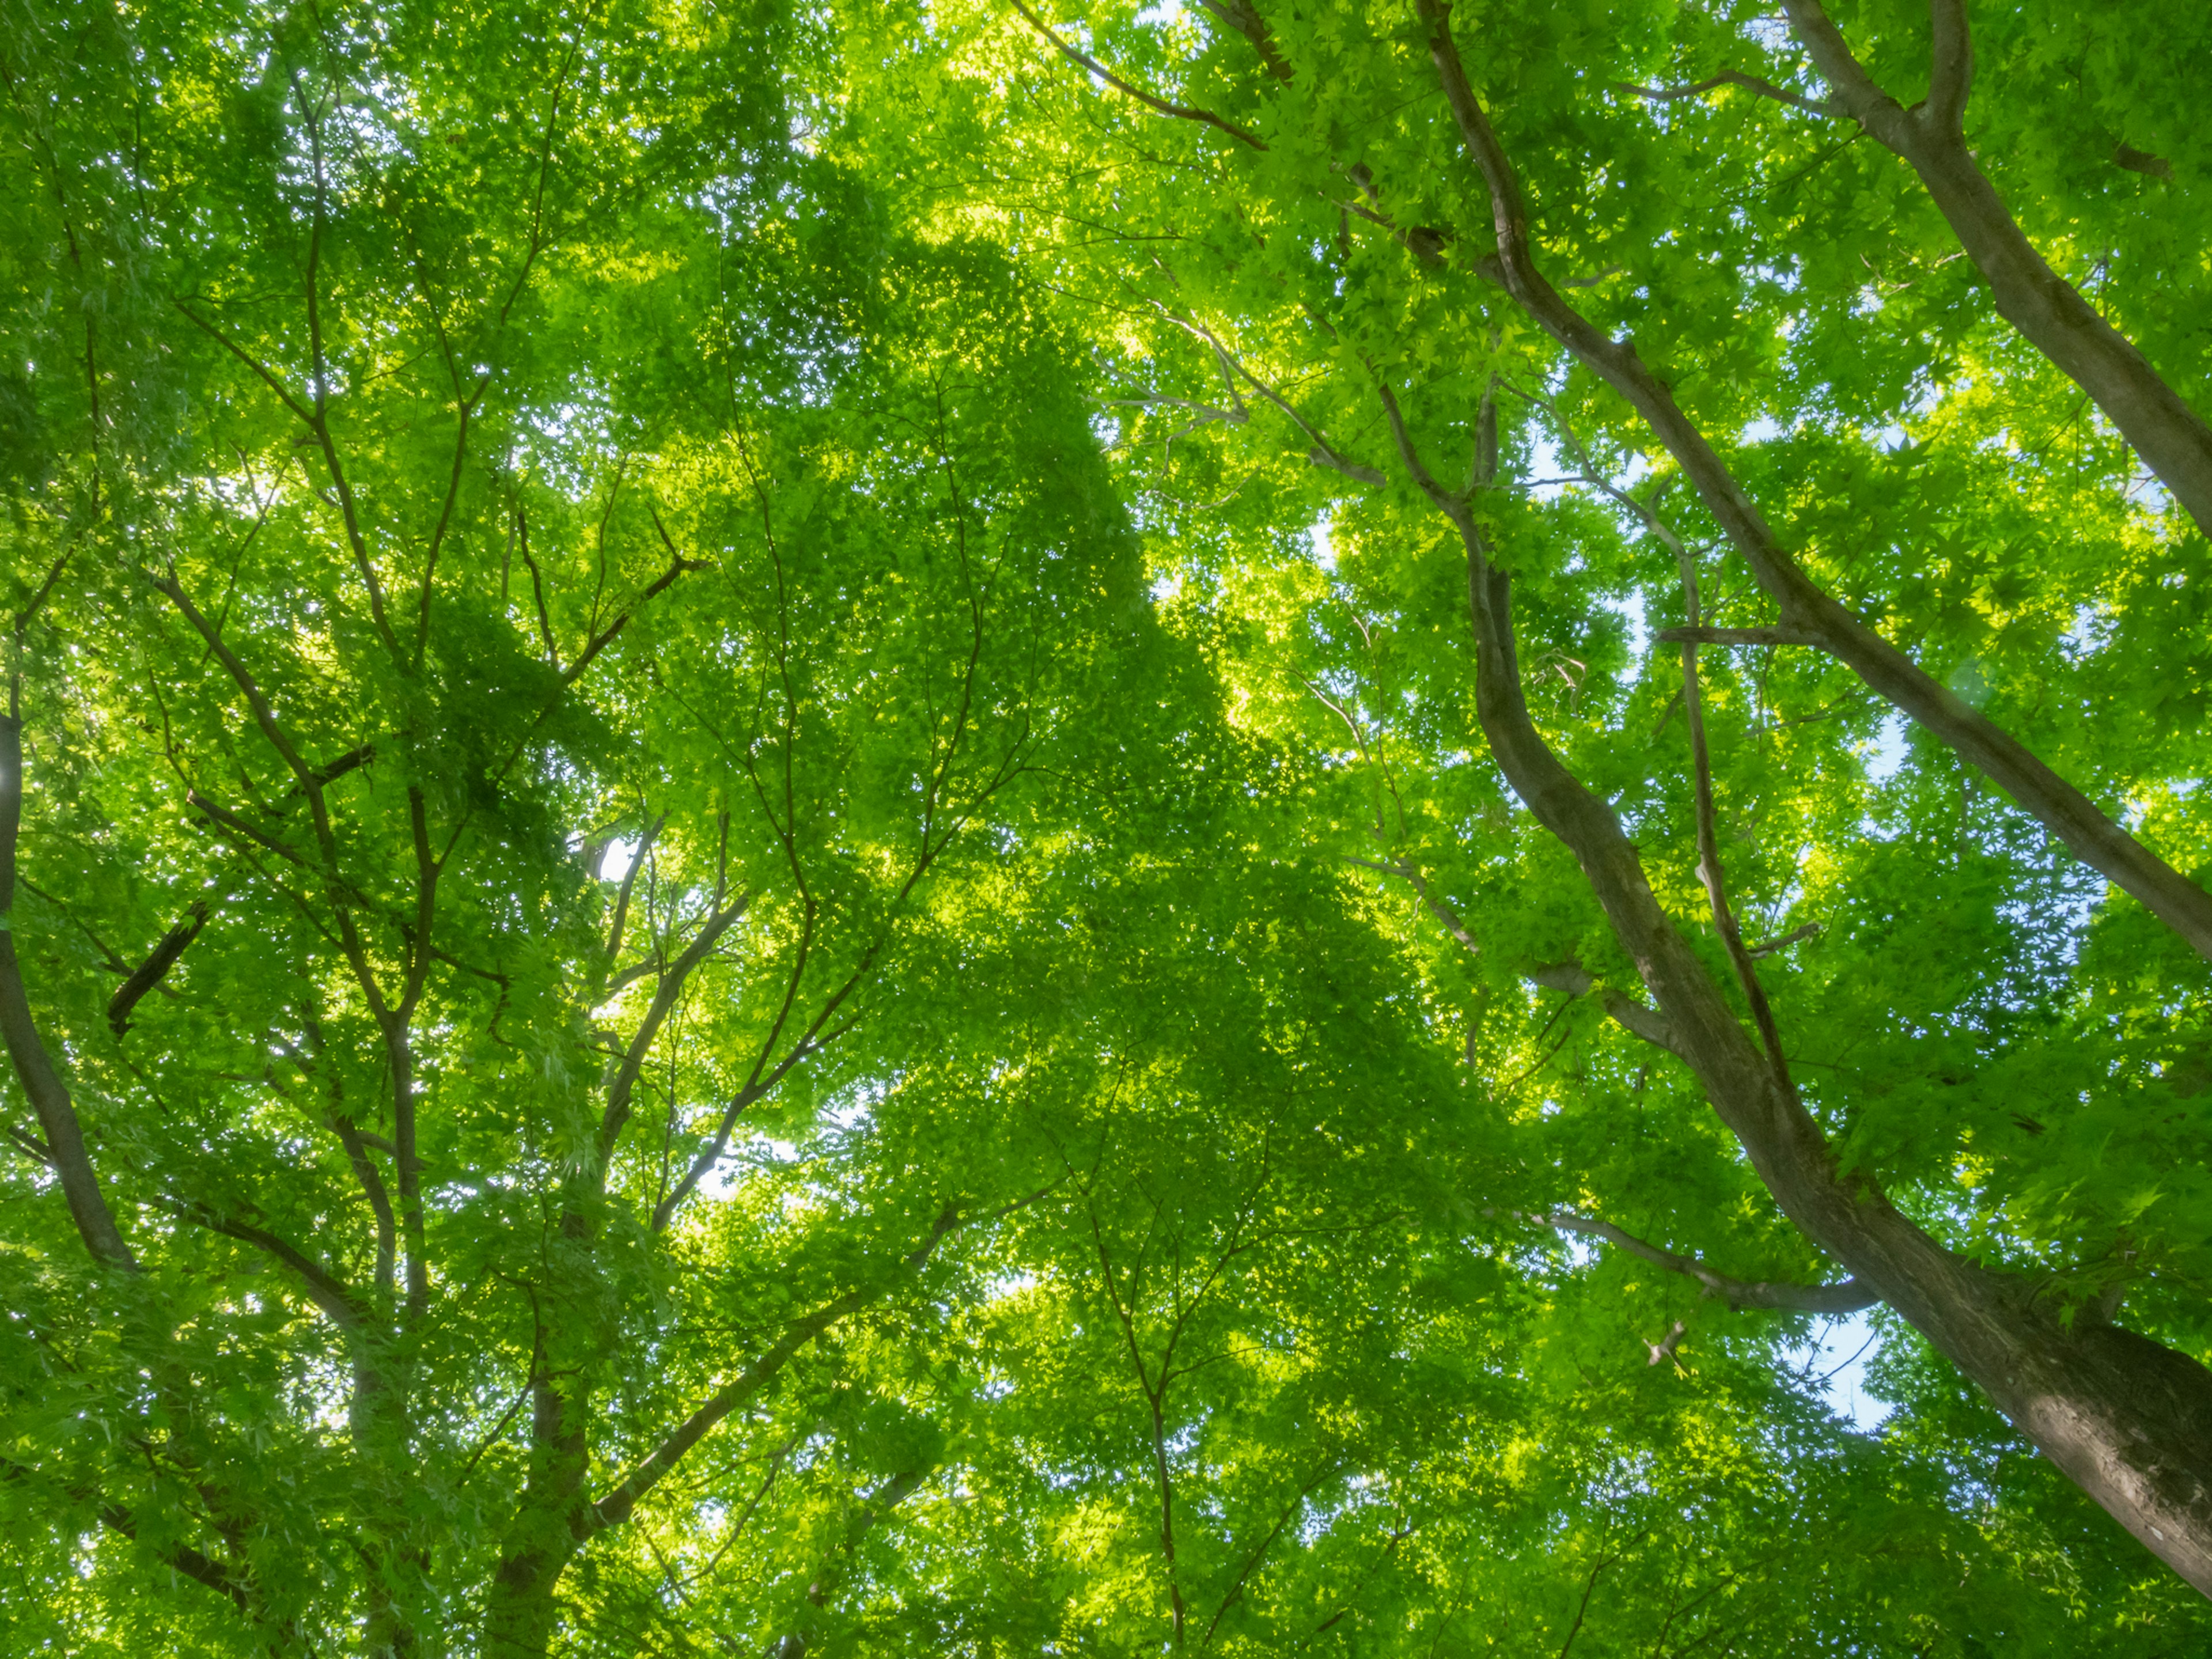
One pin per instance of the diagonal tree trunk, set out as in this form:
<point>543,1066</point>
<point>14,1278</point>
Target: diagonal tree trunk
<point>2050,313</point>
<point>2128,1420</point>
<point>1807,610</point>
<point>65,1150</point>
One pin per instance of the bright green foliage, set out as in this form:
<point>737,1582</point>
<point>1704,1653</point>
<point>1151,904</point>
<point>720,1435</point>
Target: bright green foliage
<point>852,980</point>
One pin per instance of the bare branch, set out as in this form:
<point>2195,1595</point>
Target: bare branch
<point>1624,1010</point>
<point>1437,908</point>
<point>618,1504</point>
<point>1730,78</point>
<point>1323,454</point>
<point>2136,161</point>
<point>183,1558</point>
<point>679,566</point>
<point>671,987</point>
<point>651,833</point>
<point>324,1288</point>
<point>1850,1297</point>
<point>1739,636</point>
<point>1787,939</point>
<point>151,972</point>
<point>1160,104</point>
<point>1710,870</point>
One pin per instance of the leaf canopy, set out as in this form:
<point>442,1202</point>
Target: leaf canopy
<point>803,829</point>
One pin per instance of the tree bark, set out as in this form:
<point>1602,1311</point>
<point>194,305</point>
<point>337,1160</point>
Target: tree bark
<point>2050,313</point>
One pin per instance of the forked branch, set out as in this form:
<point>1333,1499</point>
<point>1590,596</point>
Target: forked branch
<point>2050,313</point>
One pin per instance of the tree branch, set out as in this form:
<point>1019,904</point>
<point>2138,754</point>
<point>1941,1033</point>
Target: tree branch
<point>1710,870</point>
<point>152,971</point>
<point>1621,1008</point>
<point>1951,74</point>
<point>324,1289</point>
<point>1240,14</point>
<point>65,1150</point>
<point>1161,106</point>
<point>2051,313</point>
<point>1731,77</point>
<point>1739,636</point>
<point>183,1558</point>
<point>671,987</point>
<point>617,1505</point>
<point>1850,1297</point>
<point>651,834</point>
<point>1434,906</point>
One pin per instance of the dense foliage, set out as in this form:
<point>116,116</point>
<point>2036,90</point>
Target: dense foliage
<point>989,830</point>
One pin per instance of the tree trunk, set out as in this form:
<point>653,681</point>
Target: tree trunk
<point>2129,1421</point>
<point>521,1611</point>
<point>65,1149</point>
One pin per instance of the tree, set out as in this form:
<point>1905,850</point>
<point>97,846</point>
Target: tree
<point>760,897</point>
<point>505,772</point>
<point>1370,231</point>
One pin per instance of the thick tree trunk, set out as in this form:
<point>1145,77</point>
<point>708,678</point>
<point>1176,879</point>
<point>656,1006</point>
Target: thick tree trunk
<point>2129,1421</point>
<point>521,1611</point>
<point>2050,313</point>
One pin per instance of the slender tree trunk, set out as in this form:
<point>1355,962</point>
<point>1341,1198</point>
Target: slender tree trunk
<point>50,1099</point>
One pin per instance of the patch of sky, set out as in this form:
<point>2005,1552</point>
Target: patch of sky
<point>1890,439</point>
<point>1545,466</point>
<point>851,1117</point>
<point>1321,536</point>
<point>1771,33</point>
<point>1886,754</point>
<point>1630,610</point>
<point>1834,1364</point>
<point>2088,631</point>
<point>1163,11</point>
<point>2149,494</point>
<point>615,862</point>
<point>1762,430</point>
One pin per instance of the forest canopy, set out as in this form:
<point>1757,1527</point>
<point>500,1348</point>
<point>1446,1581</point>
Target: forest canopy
<point>1256,827</point>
